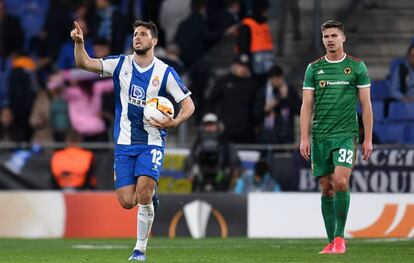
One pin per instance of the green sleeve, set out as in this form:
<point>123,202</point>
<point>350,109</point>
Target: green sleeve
<point>308,82</point>
<point>363,79</point>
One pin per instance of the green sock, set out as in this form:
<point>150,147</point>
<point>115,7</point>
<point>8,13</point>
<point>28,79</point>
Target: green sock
<point>328,212</point>
<point>341,210</point>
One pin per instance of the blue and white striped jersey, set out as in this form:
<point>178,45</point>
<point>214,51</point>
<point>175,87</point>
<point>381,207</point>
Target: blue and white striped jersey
<point>133,86</point>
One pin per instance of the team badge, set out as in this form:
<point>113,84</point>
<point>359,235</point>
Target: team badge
<point>347,71</point>
<point>156,81</point>
<point>322,83</point>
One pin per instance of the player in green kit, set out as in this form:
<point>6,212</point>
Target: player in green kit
<point>333,84</point>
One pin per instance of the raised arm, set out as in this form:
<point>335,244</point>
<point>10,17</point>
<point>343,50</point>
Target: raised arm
<point>82,58</point>
<point>305,118</point>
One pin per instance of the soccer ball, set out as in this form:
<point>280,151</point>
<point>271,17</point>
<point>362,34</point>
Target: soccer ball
<point>156,107</point>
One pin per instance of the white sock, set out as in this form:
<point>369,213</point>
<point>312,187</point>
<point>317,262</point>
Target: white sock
<point>145,218</point>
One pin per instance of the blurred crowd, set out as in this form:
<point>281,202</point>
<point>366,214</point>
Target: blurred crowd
<point>45,98</point>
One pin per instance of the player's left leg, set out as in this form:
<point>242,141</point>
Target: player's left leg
<point>344,160</point>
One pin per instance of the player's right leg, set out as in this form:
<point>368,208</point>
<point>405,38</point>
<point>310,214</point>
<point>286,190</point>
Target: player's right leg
<point>147,169</point>
<point>323,168</point>
<point>145,192</point>
<point>125,181</point>
<point>328,210</point>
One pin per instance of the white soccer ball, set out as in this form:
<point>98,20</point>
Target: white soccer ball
<point>156,107</point>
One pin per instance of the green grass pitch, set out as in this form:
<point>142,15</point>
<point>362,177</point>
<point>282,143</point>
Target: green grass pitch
<point>204,250</point>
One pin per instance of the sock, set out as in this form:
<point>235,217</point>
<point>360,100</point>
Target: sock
<point>341,211</point>
<point>328,213</point>
<point>144,222</point>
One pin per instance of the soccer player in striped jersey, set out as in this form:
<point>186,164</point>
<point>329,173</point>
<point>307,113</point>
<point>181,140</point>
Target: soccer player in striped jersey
<point>139,144</point>
<point>333,84</point>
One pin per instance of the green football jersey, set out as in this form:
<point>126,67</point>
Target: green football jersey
<point>336,85</point>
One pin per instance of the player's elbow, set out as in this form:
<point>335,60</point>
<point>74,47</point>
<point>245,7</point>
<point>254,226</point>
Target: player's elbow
<point>188,106</point>
<point>80,64</point>
<point>191,108</point>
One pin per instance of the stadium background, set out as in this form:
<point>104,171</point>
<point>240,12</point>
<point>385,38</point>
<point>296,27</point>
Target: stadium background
<point>382,202</point>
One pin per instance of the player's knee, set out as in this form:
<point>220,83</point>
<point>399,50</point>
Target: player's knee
<point>144,193</point>
<point>327,189</point>
<point>144,197</point>
<point>127,202</point>
<point>341,186</point>
<point>328,192</point>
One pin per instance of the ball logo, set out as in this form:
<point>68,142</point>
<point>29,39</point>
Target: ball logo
<point>156,81</point>
<point>196,214</point>
<point>322,83</point>
<point>384,225</point>
<point>347,71</point>
<point>137,92</point>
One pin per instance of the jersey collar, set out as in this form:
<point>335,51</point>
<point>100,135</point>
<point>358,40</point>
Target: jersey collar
<point>140,70</point>
<point>335,61</point>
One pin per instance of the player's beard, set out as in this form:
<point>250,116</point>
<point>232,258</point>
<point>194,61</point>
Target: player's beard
<point>143,51</point>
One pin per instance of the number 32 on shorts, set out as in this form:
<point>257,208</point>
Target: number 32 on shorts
<point>345,155</point>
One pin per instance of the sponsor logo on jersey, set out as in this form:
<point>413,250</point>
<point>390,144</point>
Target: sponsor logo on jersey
<point>156,81</point>
<point>338,82</point>
<point>322,83</point>
<point>137,96</point>
<point>137,92</point>
<point>321,72</point>
<point>347,71</point>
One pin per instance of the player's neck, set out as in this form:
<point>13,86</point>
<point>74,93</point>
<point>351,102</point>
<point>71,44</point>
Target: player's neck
<point>338,55</point>
<point>144,60</point>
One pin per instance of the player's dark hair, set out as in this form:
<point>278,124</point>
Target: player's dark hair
<point>149,25</point>
<point>275,71</point>
<point>333,24</point>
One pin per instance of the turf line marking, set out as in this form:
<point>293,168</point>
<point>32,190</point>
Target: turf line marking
<point>99,246</point>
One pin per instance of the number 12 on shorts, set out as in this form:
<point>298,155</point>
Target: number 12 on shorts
<point>156,156</point>
<point>345,156</point>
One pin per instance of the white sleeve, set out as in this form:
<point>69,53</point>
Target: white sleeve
<point>175,87</point>
<point>108,65</point>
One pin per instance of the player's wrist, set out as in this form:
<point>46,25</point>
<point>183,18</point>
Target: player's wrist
<point>175,123</point>
<point>367,140</point>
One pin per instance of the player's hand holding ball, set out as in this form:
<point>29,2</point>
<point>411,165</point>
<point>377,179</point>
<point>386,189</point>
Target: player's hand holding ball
<point>159,112</point>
